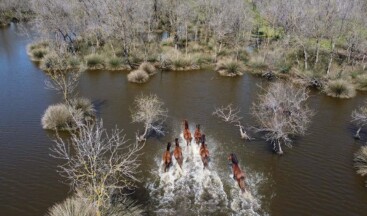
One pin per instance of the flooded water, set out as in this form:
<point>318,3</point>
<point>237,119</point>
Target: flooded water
<point>315,177</point>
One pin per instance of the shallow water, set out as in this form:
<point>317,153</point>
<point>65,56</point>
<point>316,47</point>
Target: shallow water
<point>315,177</point>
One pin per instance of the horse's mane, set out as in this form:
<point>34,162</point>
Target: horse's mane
<point>186,124</point>
<point>168,146</point>
<point>176,141</point>
<point>234,158</point>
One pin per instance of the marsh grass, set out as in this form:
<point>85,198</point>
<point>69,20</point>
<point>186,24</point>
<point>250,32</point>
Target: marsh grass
<point>95,61</point>
<point>138,76</point>
<point>58,117</point>
<point>148,68</point>
<point>114,63</point>
<point>340,89</point>
<point>73,206</point>
<point>360,161</point>
<point>85,106</point>
<point>229,68</point>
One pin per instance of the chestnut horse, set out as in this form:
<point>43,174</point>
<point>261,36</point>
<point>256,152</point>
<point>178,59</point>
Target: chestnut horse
<point>186,133</point>
<point>204,152</point>
<point>178,153</point>
<point>197,134</point>
<point>238,174</point>
<point>167,157</point>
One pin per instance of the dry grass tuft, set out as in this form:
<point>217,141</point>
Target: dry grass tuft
<point>340,89</point>
<point>229,68</point>
<point>138,76</point>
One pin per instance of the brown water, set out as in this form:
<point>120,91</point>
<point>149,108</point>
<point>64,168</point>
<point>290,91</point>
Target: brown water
<point>316,177</point>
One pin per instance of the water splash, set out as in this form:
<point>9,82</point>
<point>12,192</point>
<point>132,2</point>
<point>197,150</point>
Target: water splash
<point>194,190</point>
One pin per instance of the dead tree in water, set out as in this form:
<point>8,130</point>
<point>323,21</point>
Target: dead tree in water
<point>98,163</point>
<point>359,117</point>
<point>149,110</point>
<point>281,112</point>
<point>230,115</point>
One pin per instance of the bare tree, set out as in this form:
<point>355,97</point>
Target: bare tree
<point>64,82</point>
<point>359,117</point>
<point>98,162</point>
<point>230,115</point>
<point>281,112</point>
<point>150,111</point>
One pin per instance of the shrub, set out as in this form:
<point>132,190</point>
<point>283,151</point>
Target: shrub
<point>257,62</point>
<point>362,82</point>
<point>360,161</point>
<point>340,89</point>
<point>73,62</point>
<point>58,117</point>
<point>138,76</point>
<point>85,106</point>
<point>229,68</point>
<point>38,53</point>
<point>182,62</point>
<point>114,62</point>
<point>167,42</point>
<point>52,61</point>
<point>73,206</point>
<point>148,67</point>
<point>94,60</point>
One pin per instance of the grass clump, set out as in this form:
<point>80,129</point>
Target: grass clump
<point>148,68</point>
<point>340,89</point>
<point>229,68</point>
<point>138,76</point>
<point>94,61</point>
<point>38,54</point>
<point>73,206</point>
<point>360,161</point>
<point>114,63</point>
<point>85,106</point>
<point>58,117</point>
<point>361,82</point>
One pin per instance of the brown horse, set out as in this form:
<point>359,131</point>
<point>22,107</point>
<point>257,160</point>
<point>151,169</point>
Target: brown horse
<point>204,152</point>
<point>238,174</point>
<point>187,133</point>
<point>197,134</point>
<point>167,158</point>
<point>178,153</point>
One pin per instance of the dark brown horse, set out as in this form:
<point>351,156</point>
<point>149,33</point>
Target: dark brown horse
<point>197,134</point>
<point>238,174</point>
<point>187,133</point>
<point>167,158</point>
<point>204,152</point>
<point>178,153</point>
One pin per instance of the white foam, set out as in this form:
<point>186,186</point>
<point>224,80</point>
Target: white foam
<point>198,191</point>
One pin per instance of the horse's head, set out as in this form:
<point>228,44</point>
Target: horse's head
<point>198,126</point>
<point>168,146</point>
<point>232,157</point>
<point>186,124</point>
<point>176,142</point>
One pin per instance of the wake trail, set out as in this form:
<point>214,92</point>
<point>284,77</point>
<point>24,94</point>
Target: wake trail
<point>194,190</point>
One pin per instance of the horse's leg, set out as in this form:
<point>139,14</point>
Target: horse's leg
<point>241,184</point>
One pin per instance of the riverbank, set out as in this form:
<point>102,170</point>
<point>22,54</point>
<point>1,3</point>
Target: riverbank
<point>342,81</point>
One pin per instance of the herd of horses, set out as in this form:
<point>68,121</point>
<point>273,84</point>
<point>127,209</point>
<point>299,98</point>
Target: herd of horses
<point>238,174</point>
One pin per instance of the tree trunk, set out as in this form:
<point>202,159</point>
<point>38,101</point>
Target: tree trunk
<point>186,39</point>
<point>317,52</point>
<point>364,65</point>
<point>331,56</point>
<point>306,57</point>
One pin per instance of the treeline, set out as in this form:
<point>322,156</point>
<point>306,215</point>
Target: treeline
<point>317,43</point>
